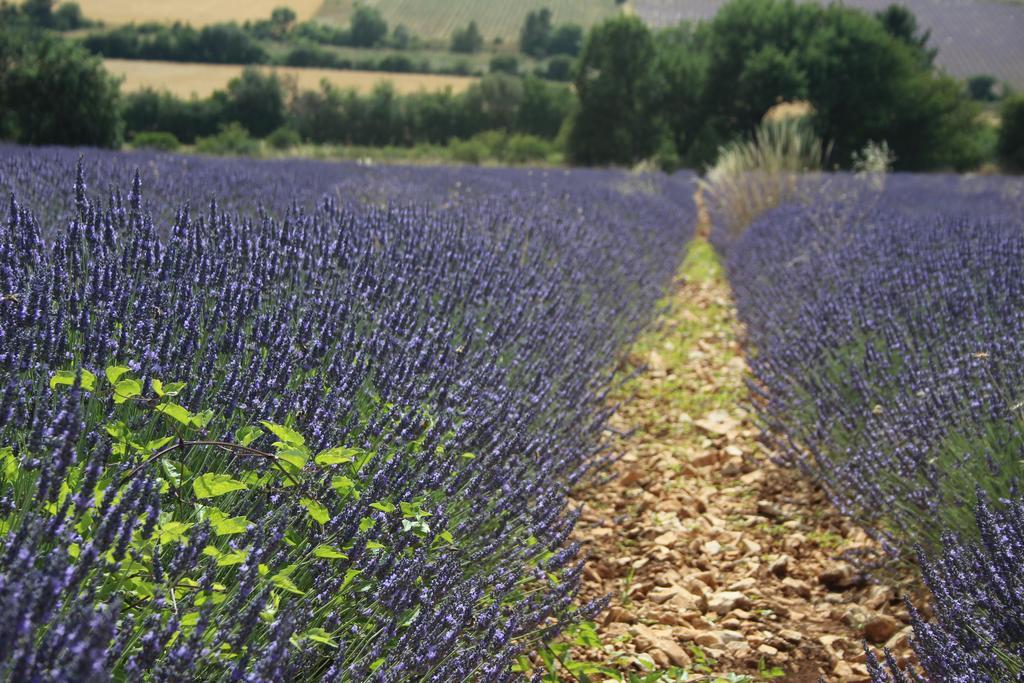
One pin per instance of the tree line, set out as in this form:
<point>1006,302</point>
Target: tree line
<point>674,95</point>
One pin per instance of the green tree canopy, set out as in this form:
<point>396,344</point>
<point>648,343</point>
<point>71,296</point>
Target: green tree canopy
<point>535,33</point>
<point>867,80</point>
<point>257,101</point>
<point>1011,134</point>
<point>52,92</point>
<point>467,40</point>
<point>368,27</point>
<point>619,89</point>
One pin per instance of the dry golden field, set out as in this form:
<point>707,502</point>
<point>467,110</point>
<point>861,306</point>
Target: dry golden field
<point>195,12</point>
<point>185,78</point>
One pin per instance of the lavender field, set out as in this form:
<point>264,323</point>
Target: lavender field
<point>973,36</point>
<point>303,421</point>
<point>297,420</point>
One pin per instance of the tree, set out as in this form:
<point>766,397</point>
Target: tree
<point>504,64</point>
<point>864,82</point>
<point>900,23</point>
<point>68,17</point>
<point>867,85</point>
<point>467,40</point>
<point>368,27</point>
<point>535,33</point>
<point>39,12</point>
<point>567,39</point>
<point>52,92</point>
<point>982,88</point>
<point>401,37</point>
<point>495,100</point>
<point>283,17</point>
<point>559,68</point>
<point>257,101</point>
<point>543,108</point>
<point>683,64</point>
<point>619,88</point>
<point>1011,135</point>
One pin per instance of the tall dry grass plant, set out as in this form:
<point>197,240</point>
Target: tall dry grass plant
<point>778,164</point>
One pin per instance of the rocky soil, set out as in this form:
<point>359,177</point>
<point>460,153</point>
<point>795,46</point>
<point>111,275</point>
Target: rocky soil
<point>718,560</point>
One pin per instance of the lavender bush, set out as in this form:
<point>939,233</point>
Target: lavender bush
<point>322,427</point>
<point>978,632</point>
<point>889,344</point>
<point>889,353</point>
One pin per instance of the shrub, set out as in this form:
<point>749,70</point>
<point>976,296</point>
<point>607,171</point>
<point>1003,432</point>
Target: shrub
<point>284,138</point>
<point>159,140</point>
<point>232,138</point>
<point>521,148</point>
<point>504,64</point>
<point>976,586</point>
<point>1010,146</point>
<point>559,68</point>
<point>471,151</point>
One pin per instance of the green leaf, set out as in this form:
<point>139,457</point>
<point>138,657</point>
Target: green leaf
<point>296,456</point>
<point>175,411</point>
<point>190,619</point>
<point>232,558</point>
<point>384,506</point>
<point>201,419</point>
<point>336,456</point>
<point>286,434</point>
<point>319,635</point>
<point>342,484</point>
<point>171,389</point>
<point>446,536</point>
<point>375,545</point>
<point>350,576</point>
<point>377,664</point>
<point>211,485</point>
<point>172,471</point>
<point>119,430</point>
<point>329,552</point>
<point>367,523</point>
<point>156,444</point>
<point>114,373</point>
<point>413,510</point>
<point>126,389</point>
<point>224,525</point>
<point>287,584</point>
<point>469,456</point>
<point>246,435</point>
<point>67,378</point>
<point>317,511</point>
<point>169,532</point>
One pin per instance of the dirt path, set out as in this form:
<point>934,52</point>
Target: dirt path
<point>719,561</point>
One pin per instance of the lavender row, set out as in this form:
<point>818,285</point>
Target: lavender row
<point>431,350</point>
<point>888,355</point>
<point>889,365</point>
